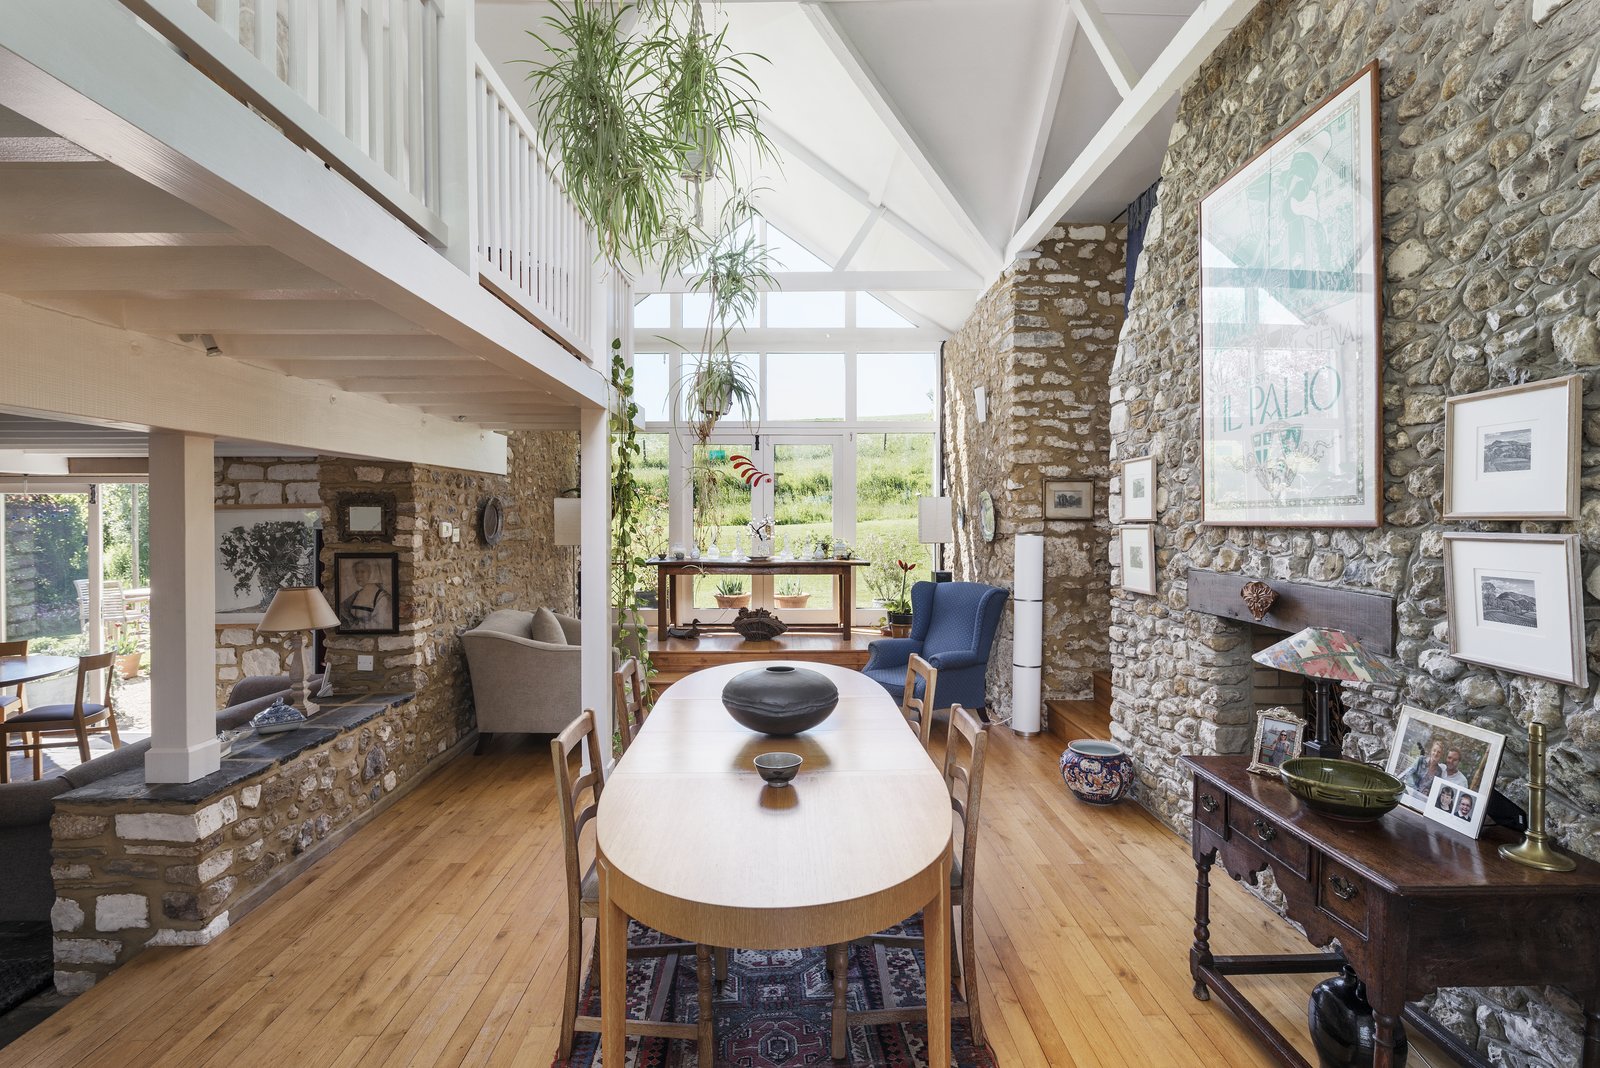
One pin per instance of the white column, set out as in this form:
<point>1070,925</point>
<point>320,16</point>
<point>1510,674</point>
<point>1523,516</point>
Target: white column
<point>1027,634</point>
<point>594,579</point>
<point>183,606</point>
<point>97,572</point>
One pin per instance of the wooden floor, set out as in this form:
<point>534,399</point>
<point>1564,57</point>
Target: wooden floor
<point>434,937</point>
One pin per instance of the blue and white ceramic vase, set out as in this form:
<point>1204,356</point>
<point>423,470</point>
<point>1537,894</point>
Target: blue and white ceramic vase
<point>1097,772</point>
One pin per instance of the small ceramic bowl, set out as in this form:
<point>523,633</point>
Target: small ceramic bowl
<point>1342,789</point>
<point>778,768</point>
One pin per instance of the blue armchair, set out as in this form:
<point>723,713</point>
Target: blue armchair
<point>952,627</point>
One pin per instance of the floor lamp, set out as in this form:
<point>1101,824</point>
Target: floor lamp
<point>934,528</point>
<point>569,532</point>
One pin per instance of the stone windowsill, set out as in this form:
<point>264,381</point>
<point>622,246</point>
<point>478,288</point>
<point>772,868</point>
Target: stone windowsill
<point>339,715</point>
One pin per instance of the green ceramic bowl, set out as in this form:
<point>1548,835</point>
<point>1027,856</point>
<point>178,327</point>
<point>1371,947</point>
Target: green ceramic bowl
<point>1342,789</point>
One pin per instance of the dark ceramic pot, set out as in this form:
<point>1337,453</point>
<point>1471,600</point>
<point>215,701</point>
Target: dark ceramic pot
<point>780,700</point>
<point>1342,1027</point>
<point>1096,771</point>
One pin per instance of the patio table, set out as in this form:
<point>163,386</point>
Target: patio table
<point>15,670</point>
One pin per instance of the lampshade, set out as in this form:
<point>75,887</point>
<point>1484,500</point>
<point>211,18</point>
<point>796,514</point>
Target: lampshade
<point>298,608</point>
<point>568,528</point>
<point>933,521</point>
<point>1326,654</point>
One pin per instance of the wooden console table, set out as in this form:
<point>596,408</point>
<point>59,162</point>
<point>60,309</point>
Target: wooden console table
<point>667,572</point>
<point>1414,908</point>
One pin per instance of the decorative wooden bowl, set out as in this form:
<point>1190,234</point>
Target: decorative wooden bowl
<point>1342,789</point>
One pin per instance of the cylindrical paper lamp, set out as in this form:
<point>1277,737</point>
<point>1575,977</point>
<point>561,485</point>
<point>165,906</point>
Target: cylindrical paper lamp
<point>1027,635</point>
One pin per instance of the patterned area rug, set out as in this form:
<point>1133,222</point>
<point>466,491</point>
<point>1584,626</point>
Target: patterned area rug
<point>775,1010</point>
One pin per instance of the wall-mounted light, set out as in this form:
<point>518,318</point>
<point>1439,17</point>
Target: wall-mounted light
<point>980,400</point>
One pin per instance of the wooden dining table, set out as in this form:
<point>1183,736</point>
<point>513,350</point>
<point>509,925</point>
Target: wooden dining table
<point>15,670</point>
<point>691,842</point>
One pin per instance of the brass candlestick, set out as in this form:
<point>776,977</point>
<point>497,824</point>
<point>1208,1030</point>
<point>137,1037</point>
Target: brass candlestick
<point>1535,849</point>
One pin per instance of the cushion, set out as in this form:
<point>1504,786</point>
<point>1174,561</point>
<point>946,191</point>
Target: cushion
<point>58,715</point>
<point>547,628</point>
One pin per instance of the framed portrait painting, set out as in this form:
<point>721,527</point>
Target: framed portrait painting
<point>365,588</point>
<point>258,551</point>
<point>1514,601</point>
<point>1514,453</point>
<point>1139,490</point>
<point>1290,343</point>
<point>1068,500</point>
<point>1138,558</point>
<point>1430,749</point>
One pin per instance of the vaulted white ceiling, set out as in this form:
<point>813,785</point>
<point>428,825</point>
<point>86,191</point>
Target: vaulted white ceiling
<point>935,139</point>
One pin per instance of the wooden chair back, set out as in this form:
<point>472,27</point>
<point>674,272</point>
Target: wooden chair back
<point>577,792</point>
<point>631,691</point>
<point>16,648</point>
<point>964,751</point>
<point>919,710</point>
<point>88,665</point>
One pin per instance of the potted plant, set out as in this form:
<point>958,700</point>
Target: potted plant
<point>730,594</point>
<point>899,608</point>
<point>790,595</point>
<point>129,657</point>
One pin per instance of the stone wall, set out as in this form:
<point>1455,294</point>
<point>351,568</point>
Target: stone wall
<point>1489,116</point>
<point>263,481</point>
<point>1040,341</point>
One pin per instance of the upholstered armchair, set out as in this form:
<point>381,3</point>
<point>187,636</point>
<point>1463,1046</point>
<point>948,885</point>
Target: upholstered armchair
<point>523,682</point>
<point>952,627</point>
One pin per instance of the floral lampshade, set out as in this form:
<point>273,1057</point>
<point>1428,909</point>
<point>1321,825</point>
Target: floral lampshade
<point>1326,654</point>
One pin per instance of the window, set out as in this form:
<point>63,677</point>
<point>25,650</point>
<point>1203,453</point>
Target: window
<point>872,312</point>
<point>803,512</point>
<point>805,386</point>
<point>655,485</point>
<point>805,310</point>
<point>653,312</point>
<point>789,255</point>
<point>892,471</point>
<point>896,385</point>
<point>722,509</point>
<point>652,386</point>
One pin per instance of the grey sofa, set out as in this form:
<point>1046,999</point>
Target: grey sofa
<point>26,891</point>
<point>520,685</point>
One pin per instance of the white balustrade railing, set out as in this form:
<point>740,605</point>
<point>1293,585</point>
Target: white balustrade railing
<point>534,248</point>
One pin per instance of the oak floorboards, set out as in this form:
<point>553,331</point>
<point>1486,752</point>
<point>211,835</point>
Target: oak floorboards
<point>434,936</point>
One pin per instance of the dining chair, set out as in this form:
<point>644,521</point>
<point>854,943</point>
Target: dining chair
<point>11,703</point>
<point>80,719</point>
<point>628,681</point>
<point>578,797</point>
<point>965,750</point>
<point>918,707</point>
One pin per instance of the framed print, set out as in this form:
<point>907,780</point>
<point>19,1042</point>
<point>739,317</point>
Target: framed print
<point>1068,500</point>
<point>365,586</point>
<point>1139,490</point>
<point>1138,559</point>
<point>1430,748</point>
<point>1290,342</point>
<point>1514,602</point>
<point>366,516</point>
<point>1456,807</point>
<point>1513,453</point>
<point>257,552</point>
<point>1278,736</point>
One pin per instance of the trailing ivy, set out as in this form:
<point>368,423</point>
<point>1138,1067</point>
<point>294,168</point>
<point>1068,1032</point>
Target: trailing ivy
<point>628,503</point>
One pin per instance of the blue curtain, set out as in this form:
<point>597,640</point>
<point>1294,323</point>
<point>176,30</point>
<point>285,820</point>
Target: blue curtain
<point>1138,218</point>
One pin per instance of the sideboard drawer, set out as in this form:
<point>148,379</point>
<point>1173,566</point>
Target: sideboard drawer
<point>1210,804</point>
<point>1265,833</point>
<point>1343,895</point>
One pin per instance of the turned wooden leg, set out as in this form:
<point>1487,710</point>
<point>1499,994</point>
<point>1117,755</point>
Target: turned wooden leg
<point>839,964</point>
<point>1387,1029</point>
<point>720,957</point>
<point>704,979</point>
<point>1200,953</point>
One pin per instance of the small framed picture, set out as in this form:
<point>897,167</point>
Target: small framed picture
<point>1430,749</point>
<point>1514,602</point>
<point>1457,807</point>
<point>1068,500</point>
<point>365,586</point>
<point>1138,559</point>
<point>366,516</point>
<point>1139,490</point>
<point>1279,733</point>
<point>1513,453</point>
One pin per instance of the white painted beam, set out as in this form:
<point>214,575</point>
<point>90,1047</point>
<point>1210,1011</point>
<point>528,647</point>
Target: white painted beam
<point>93,199</point>
<point>23,462</point>
<point>1193,44</point>
<point>1124,76</point>
<point>183,728</point>
<point>862,233</point>
<point>1063,33</point>
<point>830,281</point>
<point>345,371</point>
<point>239,316</point>
<point>148,269</point>
<point>335,348</point>
<point>854,64</point>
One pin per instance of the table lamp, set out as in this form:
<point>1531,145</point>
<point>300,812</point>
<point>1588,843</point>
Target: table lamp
<point>1327,657</point>
<point>294,610</point>
<point>934,527</point>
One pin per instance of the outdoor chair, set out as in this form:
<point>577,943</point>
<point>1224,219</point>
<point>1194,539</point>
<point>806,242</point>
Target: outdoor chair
<point>11,703</point>
<point>79,719</point>
<point>953,625</point>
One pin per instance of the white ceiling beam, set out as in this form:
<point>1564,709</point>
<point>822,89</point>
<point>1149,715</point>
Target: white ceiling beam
<point>1123,74</point>
<point>1199,36</point>
<point>19,462</point>
<point>43,150</point>
<point>860,238</point>
<point>403,389</point>
<point>1063,33</point>
<point>374,346</point>
<point>350,370</point>
<point>238,268</point>
<point>854,64</point>
<point>231,316</point>
<point>829,281</point>
<point>92,199</point>
<point>770,339</point>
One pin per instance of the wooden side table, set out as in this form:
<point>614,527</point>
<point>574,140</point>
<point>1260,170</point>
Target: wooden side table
<point>1414,908</point>
<point>668,572</point>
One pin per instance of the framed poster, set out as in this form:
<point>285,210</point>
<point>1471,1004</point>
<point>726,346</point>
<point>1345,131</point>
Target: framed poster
<point>1290,342</point>
<point>1138,559</point>
<point>1139,490</point>
<point>1514,602</point>
<point>259,551</point>
<point>1430,748</point>
<point>364,590</point>
<point>1514,453</point>
<point>1068,500</point>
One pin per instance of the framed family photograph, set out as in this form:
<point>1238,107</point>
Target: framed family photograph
<point>1513,453</point>
<point>1429,749</point>
<point>1290,341</point>
<point>1068,500</point>
<point>1514,601</point>
<point>1457,807</point>
<point>1138,559</point>
<point>258,551</point>
<point>365,586</point>
<point>1279,733</point>
<point>1139,490</point>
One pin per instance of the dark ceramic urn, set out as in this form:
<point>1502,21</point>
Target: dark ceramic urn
<point>780,700</point>
<point>1342,1026</point>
